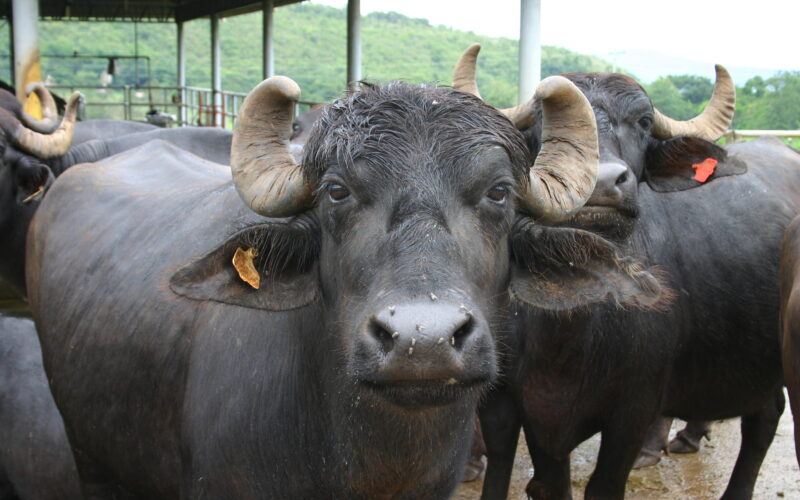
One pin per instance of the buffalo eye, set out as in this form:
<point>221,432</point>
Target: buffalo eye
<point>337,192</point>
<point>646,122</point>
<point>499,193</point>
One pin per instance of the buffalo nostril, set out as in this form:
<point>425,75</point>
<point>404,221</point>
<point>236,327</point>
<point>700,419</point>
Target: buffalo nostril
<point>463,331</point>
<point>380,333</point>
<point>622,178</point>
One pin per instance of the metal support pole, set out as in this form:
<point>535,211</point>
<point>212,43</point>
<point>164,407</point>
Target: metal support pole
<point>268,68</point>
<point>353,43</point>
<point>530,49</point>
<point>10,15</point>
<point>27,68</point>
<point>216,73</point>
<point>182,111</point>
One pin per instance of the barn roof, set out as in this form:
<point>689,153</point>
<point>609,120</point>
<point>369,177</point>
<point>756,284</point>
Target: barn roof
<point>142,10</point>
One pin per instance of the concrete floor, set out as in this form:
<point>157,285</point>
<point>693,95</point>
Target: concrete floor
<point>703,475</point>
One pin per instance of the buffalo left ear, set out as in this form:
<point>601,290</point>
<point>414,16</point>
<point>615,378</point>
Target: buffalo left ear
<point>270,266</point>
<point>33,178</point>
<point>686,162</point>
<point>562,268</point>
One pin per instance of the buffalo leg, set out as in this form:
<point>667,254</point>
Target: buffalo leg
<point>619,446</point>
<point>758,429</point>
<point>688,439</point>
<point>654,443</point>
<point>476,453</point>
<point>551,479</point>
<point>95,484</point>
<point>500,426</point>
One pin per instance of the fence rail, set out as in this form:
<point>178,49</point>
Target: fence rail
<point>195,106</point>
<point>737,135</point>
<point>188,105</point>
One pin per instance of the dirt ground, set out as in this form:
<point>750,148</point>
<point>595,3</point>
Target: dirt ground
<point>703,475</point>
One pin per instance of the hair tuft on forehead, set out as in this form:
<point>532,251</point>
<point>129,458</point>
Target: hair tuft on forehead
<point>381,122</point>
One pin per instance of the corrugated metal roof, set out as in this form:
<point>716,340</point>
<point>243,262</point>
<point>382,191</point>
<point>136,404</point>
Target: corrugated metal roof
<point>142,10</point>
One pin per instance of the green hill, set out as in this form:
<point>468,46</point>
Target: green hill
<point>310,46</point>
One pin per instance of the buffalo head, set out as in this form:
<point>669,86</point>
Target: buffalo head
<point>637,142</point>
<point>25,143</point>
<point>397,225</point>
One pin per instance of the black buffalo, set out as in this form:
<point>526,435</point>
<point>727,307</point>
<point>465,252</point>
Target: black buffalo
<point>34,466</point>
<point>33,152</point>
<point>35,458</point>
<point>351,364</point>
<point>87,130</point>
<point>712,219</point>
<point>790,321</point>
<point>25,173</point>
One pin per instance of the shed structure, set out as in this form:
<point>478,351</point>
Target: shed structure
<point>24,15</point>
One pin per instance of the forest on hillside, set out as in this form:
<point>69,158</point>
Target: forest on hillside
<point>310,43</point>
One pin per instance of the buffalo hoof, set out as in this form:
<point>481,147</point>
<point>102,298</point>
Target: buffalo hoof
<point>647,458</point>
<point>473,470</point>
<point>684,443</point>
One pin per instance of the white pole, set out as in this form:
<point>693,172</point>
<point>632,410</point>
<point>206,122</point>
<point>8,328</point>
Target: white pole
<point>216,73</point>
<point>530,49</point>
<point>353,43</point>
<point>27,68</point>
<point>266,40</point>
<point>182,111</point>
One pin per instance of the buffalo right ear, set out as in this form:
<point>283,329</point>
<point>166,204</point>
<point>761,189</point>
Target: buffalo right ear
<point>558,268</point>
<point>33,178</point>
<point>281,276</point>
<point>686,162</point>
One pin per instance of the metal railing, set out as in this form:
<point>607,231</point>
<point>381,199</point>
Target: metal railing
<point>188,105</point>
<point>792,136</point>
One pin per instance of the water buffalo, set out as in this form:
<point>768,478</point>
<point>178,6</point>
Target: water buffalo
<point>712,220</point>
<point>31,467</point>
<point>87,130</point>
<point>315,329</point>
<point>24,172</point>
<point>790,321</point>
<point>35,458</point>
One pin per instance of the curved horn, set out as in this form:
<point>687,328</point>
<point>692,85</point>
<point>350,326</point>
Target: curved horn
<point>49,121</point>
<point>47,146</point>
<point>521,116</point>
<point>565,171</point>
<point>268,179</point>
<point>712,122</point>
<point>464,72</point>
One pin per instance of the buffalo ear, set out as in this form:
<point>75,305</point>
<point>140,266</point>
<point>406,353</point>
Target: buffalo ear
<point>33,178</point>
<point>564,268</point>
<point>286,267</point>
<point>677,164</point>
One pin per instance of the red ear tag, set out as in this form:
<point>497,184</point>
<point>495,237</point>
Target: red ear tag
<point>702,171</point>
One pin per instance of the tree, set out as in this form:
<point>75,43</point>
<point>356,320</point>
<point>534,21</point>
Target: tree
<point>693,88</point>
<point>668,99</point>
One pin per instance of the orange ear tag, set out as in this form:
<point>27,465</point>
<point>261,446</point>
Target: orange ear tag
<point>243,263</point>
<point>704,170</point>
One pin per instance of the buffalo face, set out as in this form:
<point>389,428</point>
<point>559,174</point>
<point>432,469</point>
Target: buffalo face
<point>414,223</point>
<point>624,117</point>
<point>639,144</point>
<point>396,224</point>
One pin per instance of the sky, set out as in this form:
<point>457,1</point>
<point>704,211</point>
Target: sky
<point>765,34</point>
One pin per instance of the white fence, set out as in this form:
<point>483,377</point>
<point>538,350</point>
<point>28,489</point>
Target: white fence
<point>189,105</point>
<point>792,136</point>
